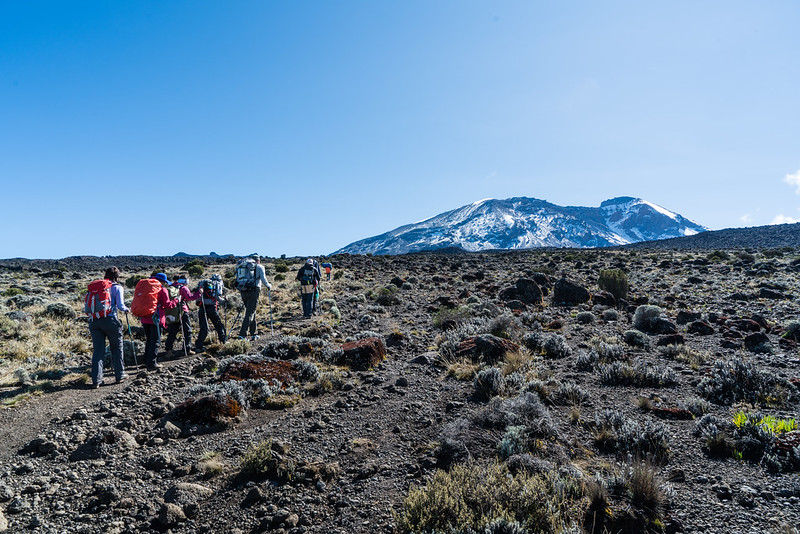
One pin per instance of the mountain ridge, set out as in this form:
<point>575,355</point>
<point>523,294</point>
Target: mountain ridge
<point>521,223</point>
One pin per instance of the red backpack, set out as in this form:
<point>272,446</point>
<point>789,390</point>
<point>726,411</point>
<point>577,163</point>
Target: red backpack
<point>145,297</point>
<point>97,303</point>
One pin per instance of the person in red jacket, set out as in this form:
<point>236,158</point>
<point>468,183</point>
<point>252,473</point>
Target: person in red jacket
<point>152,330</point>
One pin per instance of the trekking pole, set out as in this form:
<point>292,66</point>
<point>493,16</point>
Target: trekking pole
<point>183,330</point>
<point>133,345</point>
<point>271,321</point>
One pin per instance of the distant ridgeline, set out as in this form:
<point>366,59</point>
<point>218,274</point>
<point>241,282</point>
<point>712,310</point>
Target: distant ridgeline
<point>524,223</point>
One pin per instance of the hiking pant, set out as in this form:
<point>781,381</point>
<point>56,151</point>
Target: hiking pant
<point>173,328</point>
<point>100,329</point>
<point>209,312</point>
<point>250,300</point>
<point>307,299</point>
<point>152,341</point>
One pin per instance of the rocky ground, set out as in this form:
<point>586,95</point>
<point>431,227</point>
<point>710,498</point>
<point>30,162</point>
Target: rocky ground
<point>347,440</point>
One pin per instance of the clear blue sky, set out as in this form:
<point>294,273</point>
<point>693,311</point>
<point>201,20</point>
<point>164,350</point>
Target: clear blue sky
<point>297,127</point>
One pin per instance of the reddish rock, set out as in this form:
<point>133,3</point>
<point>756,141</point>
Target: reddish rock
<point>363,354</point>
<point>487,348</point>
<point>745,325</point>
<point>701,328</point>
<point>604,298</point>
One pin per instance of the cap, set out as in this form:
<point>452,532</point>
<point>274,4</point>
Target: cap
<point>162,277</point>
<point>216,277</point>
<point>254,256</point>
<point>183,281</point>
<point>309,260</point>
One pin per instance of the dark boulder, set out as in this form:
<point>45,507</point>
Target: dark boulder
<point>485,348</point>
<point>755,342</point>
<point>604,298</point>
<point>684,317</point>
<point>566,293</point>
<point>672,339</point>
<point>525,290</point>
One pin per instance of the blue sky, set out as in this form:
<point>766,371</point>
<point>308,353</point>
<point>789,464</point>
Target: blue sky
<point>147,127</point>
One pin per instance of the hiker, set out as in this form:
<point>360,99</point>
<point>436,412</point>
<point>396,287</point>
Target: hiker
<point>211,292</point>
<point>103,300</point>
<point>328,268</point>
<point>249,278</point>
<point>150,301</point>
<point>179,316</point>
<point>309,276</point>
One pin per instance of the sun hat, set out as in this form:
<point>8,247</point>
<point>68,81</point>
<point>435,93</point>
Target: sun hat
<point>162,277</point>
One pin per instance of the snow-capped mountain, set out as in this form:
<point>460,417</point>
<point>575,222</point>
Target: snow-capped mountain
<point>520,223</point>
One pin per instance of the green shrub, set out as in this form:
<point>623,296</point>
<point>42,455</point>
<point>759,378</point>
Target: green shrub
<point>337,275</point>
<point>131,281</point>
<point>236,347</point>
<point>280,277</point>
<point>718,256</point>
<point>12,291</point>
<point>195,270</point>
<point>615,281</point>
<point>450,317</point>
<point>281,267</point>
<point>387,295</point>
<point>474,498</point>
<point>260,461</point>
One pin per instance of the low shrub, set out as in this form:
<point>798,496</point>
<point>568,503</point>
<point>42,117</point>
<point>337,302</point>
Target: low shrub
<point>615,281</point>
<point>489,382</point>
<point>737,380</point>
<point>488,498</point>
<point>261,461</point>
<point>585,317</point>
<point>651,319</point>
<point>641,374</point>
<point>552,346</point>
<point>614,431</point>
<point>636,338</point>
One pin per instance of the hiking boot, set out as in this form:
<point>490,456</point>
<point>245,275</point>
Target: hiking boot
<point>122,378</point>
<point>153,366</point>
<point>254,337</point>
<point>169,354</point>
<point>198,350</point>
<point>95,385</point>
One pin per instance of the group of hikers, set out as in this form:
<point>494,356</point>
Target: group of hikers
<point>162,305</point>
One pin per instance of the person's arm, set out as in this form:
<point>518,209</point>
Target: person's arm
<point>187,294</point>
<point>117,299</point>
<point>260,272</point>
<point>164,302</point>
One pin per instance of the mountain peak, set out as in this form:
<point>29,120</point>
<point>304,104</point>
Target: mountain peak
<point>523,223</point>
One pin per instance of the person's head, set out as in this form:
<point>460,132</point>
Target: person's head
<point>112,273</point>
<point>216,278</point>
<point>255,257</point>
<point>161,277</point>
<point>309,261</point>
<point>180,279</point>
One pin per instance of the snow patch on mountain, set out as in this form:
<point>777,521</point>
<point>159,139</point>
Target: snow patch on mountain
<point>522,223</point>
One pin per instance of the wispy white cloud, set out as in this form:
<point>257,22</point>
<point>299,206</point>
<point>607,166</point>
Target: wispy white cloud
<point>784,219</point>
<point>746,218</point>
<point>793,180</point>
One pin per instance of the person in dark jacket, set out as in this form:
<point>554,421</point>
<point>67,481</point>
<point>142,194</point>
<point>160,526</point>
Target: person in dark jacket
<point>109,327</point>
<point>211,292</point>
<point>179,318</point>
<point>309,277</point>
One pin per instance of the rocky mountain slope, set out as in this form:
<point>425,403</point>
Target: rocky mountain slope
<point>422,368</point>
<point>523,223</point>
